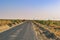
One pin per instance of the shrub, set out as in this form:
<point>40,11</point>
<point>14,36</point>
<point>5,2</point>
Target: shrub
<point>10,25</point>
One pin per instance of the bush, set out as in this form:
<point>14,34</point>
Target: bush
<point>14,23</point>
<point>10,25</point>
<point>18,22</point>
<point>45,22</point>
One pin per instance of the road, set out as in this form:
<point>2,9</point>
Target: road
<point>20,32</point>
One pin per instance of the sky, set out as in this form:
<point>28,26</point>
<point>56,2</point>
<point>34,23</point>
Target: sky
<point>30,9</point>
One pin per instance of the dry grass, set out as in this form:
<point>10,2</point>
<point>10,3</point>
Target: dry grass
<point>56,32</point>
<point>4,28</point>
<point>51,28</point>
<point>4,24</point>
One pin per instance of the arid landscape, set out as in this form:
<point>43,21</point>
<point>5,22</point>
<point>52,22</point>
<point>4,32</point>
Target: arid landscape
<point>6,24</point>
<point>51,25</point>
<point>43,29</point>
<point>29,19</point>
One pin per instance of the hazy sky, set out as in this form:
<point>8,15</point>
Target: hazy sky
<point>30,9</point>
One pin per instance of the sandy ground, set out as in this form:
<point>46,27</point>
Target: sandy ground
<point>6,27</point>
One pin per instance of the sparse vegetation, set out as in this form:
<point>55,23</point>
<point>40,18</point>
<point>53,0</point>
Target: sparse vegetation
<point>49,22</point>
<point>9,23</point>
<point>52,25</point>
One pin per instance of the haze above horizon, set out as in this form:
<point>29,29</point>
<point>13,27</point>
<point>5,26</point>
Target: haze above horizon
<point>30,9</point>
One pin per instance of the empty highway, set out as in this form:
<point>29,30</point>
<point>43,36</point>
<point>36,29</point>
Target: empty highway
<point>20,32</point>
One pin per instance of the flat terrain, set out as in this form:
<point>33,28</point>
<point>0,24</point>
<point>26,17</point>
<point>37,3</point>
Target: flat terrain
<point>6,24</point>
<point>20,32</point>
<point>28,30</point>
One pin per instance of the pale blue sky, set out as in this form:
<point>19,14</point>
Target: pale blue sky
<point>30,9</point>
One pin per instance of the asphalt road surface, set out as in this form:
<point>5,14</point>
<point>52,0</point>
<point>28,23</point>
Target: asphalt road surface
<point>20,32</point>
